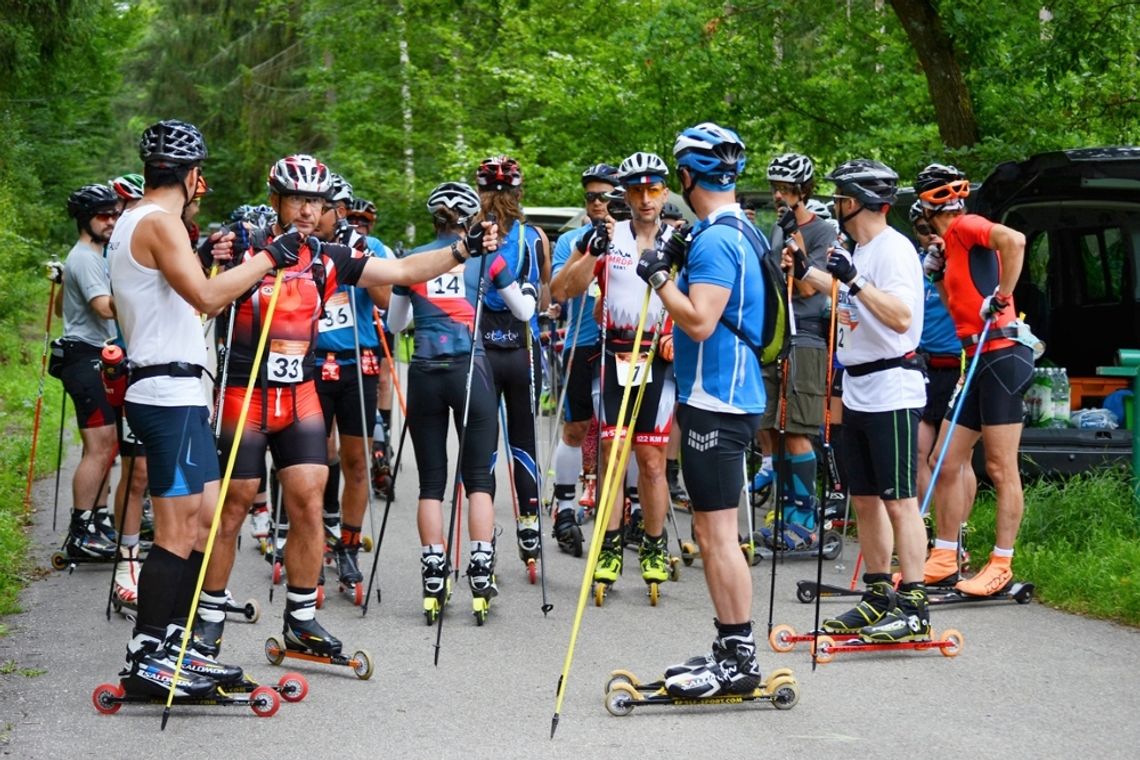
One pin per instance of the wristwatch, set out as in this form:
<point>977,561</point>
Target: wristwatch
<point>658,279</point>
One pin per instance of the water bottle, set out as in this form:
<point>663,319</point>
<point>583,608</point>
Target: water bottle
<point>113,367</point>
<point>1043,383</point>
<point>1061,398</point>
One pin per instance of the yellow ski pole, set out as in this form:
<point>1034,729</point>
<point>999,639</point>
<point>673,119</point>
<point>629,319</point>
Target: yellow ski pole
<point>224,488</point>
<point>602,518</point>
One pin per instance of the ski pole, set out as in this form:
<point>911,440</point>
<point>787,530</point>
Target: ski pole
<point>224,376</point>
<point>245,403</point>
<point>603,514</point>
<point>392,369</point>
<point>780,462</point>
<point>455,493</point>
<point>39,403</point>
<point>558,410</point>
<point>59,456</point>
<point>546,605</point>
<point>827,453</point>
<point>954,415</point>
<point>379,540</point>
<point>363,414</point>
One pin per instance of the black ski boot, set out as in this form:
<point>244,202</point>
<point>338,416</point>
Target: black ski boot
<point>85,541</point>
<point>200,663</point>
<point>347,569</point>
<point>732,670</point>
<point>207,634</point>
<point>305,634</point>
<point>567,533</point>
<point>877,601</point>
<point>908,621</point>
<point>149,671</point>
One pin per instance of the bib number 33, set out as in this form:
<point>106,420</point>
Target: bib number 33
<point>286,360</point>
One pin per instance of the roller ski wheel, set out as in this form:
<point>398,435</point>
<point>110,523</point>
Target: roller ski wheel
<point>320,596</point>
<point>532,571</point>
<point>689,553</point>
<point>278,572</point>
<point>354,591</point>
<point>263,700</point>
<point>480,607</point>
<point>654,593</point>
<point>780,689</point>
<point>60,561</point>
<point>806,591</point>
<point>782,639</point>
<point>601,591</point>
<point>250,610</point>
<point>949,644</point>
<point>276,652</point>
<point>366,543</point>
<point>292,687</point>
<point>1021,593</point>
<point>749,552</point>
<point>674,569</point>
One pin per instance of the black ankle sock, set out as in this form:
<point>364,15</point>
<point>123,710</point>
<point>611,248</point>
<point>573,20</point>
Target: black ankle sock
<point>733,629</point>
<point>870,578</point>
<point>159,577</point>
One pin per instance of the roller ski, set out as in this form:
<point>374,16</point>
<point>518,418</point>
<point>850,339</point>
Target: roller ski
<point>306,639</point>
<point>567,533</point>
<point>690,553</point>
<point>260,525</point>
<point>728,675</point>
<point>350,580</point>
<point>85,544</point>
<point>529,542</point>
<point>481,578</point>
<point>799,536</point>
<point>633,529</point>
<point>656,566</point>
<point>609,566</point>
<point>436,576</point>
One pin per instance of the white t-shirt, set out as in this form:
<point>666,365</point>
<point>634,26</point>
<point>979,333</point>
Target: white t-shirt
<point>625,290</point>
<point>889,263</point>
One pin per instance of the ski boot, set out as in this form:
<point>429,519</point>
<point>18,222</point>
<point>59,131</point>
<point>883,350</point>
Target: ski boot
<point>655,568</point>
<point>760,489</point>
<point>199,662</point>
<point>908,621</point>
<point>105,524</point>
<point>303,638</point>
<point>332,532</point>
<point>878,600</point>
<point>941,568</point>
<point>609,565</point>
<point>349,577</point>
<point>995,578</point>
<point>209,624</point>
<point>733,671</point>
<point>634,533</point>
<point>381,470</point>
<point>717,653</point>
<point>481,577</point>
<point>567,533</point>
<point>126,593</point>
<point>260,523</point>
<point>436,576</point>
<point>529,540</point>
<point>84,543</point>
<point>149,671</point>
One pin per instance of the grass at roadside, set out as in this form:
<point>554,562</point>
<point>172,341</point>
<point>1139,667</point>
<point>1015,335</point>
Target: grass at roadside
<point>1079,543</point>
<point>19,380</point>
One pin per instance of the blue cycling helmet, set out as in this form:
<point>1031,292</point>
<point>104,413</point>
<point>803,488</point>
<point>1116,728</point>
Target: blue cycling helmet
<point>713,153</point>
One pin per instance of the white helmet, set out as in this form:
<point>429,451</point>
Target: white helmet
<point>300,174</point>
<point>793,168</point>
<point>341,189</point>
<point>457,196</point>
<point>818,207</point>
<point>642,168</point>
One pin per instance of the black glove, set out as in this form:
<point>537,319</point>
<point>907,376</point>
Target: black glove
<point>676,248</point>
<point>55,271</point>
<point>596,241</point>
<point>285,249</point>
<point>343,232</point>
<point>652,261</point>
<point>473,239</point>
<point>799,263</point>
<point>787,222</point>
<point>994,305</point>
<point>840,265</point>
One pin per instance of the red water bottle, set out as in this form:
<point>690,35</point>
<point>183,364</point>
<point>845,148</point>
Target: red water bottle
<point>114,371</point>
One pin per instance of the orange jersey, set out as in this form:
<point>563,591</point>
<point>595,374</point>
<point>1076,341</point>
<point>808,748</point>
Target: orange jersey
<point>973,271</point>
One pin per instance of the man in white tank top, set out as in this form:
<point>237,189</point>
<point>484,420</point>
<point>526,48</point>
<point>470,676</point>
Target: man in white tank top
<point>613,261</point>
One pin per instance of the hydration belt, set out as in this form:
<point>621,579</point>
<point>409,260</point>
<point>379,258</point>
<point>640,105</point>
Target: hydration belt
<point>943,361</point>
<point>173,369</point>
<point>1009,331</point>
<point>913,360</point>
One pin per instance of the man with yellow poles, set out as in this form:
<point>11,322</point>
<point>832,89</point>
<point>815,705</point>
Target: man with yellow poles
<point>612,258</point>
<point>285,414</point>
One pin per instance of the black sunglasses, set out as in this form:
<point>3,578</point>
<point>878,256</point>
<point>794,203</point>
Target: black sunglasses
<point>592,197</point>
<point>923,229</point>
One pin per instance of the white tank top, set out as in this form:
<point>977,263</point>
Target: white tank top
<point>158,325</point>
<point>625,291</point>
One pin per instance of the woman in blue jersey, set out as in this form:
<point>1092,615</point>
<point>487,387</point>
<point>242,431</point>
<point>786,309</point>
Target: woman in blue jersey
<point>515,370</point>
<point>444,310</point>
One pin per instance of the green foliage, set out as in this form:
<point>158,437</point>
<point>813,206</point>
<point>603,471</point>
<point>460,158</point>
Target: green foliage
<point>1079,543</point>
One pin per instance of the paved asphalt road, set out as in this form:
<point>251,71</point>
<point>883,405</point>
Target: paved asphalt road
<point>1030,682</point>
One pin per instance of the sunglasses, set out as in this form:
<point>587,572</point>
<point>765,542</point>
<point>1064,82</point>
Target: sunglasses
<point>359,221</point>
<point>784,188</point>
<point>923,229</point>
<point>297,201</point>
<point>649,191</point>
<point>106,216</point>
<point>593,197</point>
<point>948,192</point>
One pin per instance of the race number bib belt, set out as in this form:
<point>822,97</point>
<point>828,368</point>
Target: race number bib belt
<point>913,360</point>
<point>173,369</point>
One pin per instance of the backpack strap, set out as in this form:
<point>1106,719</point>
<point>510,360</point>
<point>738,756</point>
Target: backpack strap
<point>754,241</point>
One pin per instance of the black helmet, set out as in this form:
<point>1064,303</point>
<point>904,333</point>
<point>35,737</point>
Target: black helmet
<point>872,183</point>
<point>915,211</point>
<point>671,211</point>
<point>600,173</point>
<point>90,200</point>
<point>172,143</point>
<point>942,187</point>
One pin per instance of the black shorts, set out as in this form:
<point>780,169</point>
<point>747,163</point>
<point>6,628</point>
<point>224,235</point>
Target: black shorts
<point>436,391</point>
<point>340,399</point>
<point>655,417</point>
<point>286,420</point>
<point>997,389</point>
<point>579,406</point>
<point>940,385</point>
<point>130,445</point>
<point>712,455</point>
<point>881,451</point>
<point>181,456</point>
<point>84,383</point>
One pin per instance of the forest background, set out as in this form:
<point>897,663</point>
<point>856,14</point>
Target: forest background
<point>400,95</point>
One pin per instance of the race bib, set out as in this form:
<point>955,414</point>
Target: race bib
<point>286,360</point>
<point>640,370</point>
<point>337,314</point>
<point>447,285</point>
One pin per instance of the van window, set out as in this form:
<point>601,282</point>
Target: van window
<point>1102,270</point>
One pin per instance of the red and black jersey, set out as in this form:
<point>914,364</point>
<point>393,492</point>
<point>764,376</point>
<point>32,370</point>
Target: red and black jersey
<point>973,271</point>
<point>288,356</point>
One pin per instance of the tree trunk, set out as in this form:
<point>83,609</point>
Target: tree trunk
<point>957,125</point>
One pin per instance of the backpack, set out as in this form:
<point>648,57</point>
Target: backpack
<point>776,335</point>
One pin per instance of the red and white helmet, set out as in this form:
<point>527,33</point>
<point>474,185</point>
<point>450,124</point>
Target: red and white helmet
<point>300,174</point>
<point>498,173</point>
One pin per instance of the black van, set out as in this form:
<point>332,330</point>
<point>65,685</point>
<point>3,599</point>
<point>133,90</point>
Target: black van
<point>1080,213</point>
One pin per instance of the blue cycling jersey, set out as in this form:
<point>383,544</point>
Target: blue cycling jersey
<point>939,337</point>
<point>590,333</point>
<point>517,256</point>
<point>334,330</point>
